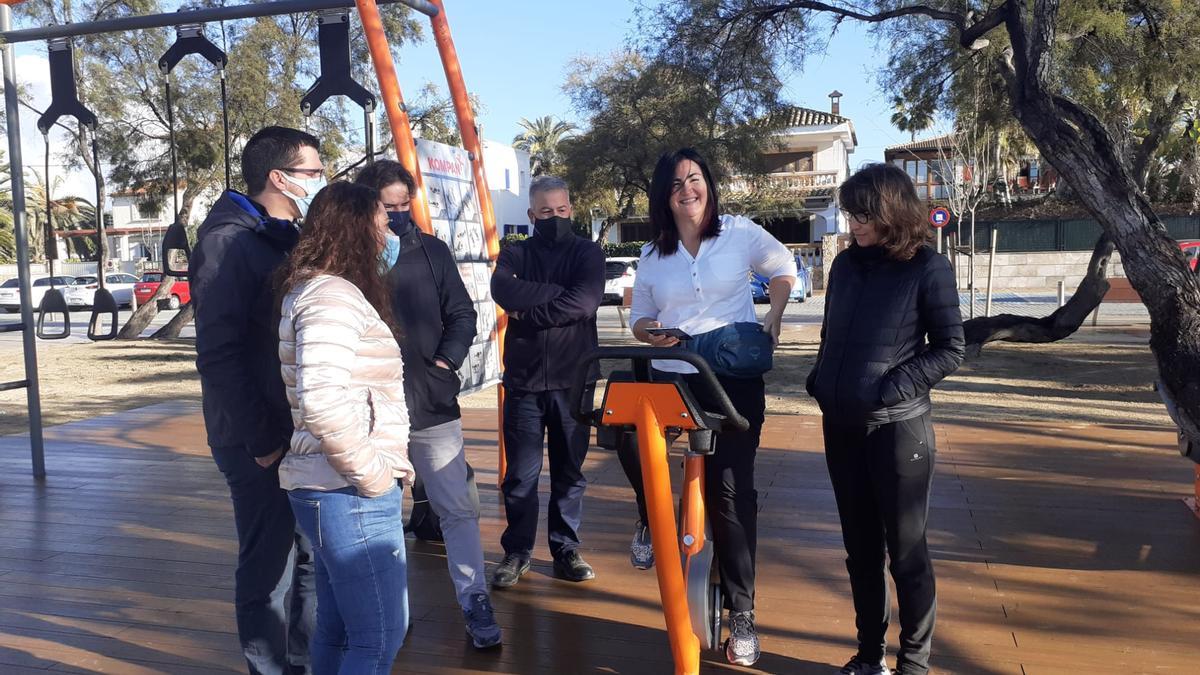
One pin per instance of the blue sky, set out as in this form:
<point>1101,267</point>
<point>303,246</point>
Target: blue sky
<point>515,56</point>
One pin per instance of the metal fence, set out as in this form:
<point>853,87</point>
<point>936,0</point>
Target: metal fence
<point>1077,234</point>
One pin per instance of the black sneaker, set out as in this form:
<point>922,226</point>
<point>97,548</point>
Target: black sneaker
<point>572,567</point>
<point>861,666</point>
<point>510,570</point>
<point>481,622</point>
<point>741,649</point>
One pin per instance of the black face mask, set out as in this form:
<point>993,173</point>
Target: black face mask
<point>400,222</point>
<point>555,228</point>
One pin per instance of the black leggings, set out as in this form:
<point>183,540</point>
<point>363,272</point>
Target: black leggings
<point>881,478</point>
<point>730,497</point>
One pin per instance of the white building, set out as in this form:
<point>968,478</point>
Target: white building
<point>134,230</point>
<point>794,199</point>
<point>508,180</point>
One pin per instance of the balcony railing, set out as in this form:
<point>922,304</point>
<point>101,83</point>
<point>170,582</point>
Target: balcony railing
<point>787,181</point>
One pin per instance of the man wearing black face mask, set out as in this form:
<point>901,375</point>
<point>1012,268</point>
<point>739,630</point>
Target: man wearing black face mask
<point>436,321</point>
<point>551,285</point>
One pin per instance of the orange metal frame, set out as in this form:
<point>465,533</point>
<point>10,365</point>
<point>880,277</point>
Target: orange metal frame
<point>406,151</point>
<point>654,408</point>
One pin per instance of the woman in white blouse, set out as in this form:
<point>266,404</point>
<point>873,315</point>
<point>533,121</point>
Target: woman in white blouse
<point>694,276</point>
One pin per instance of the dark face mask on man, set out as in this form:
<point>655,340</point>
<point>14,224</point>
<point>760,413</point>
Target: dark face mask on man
<point>400,222</point>
<point>554,228</point>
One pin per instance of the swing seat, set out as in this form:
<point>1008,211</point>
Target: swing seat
<point>176,251</point>
<point>104,305</point>
<point>53,302</point>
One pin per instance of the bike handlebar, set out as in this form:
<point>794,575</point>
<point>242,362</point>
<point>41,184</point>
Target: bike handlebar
<point>643,356</point>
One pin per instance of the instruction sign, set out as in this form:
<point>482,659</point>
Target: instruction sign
<point>456,219</point>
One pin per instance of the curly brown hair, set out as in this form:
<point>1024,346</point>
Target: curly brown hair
<point>340,238</point>
<point>886,194</point>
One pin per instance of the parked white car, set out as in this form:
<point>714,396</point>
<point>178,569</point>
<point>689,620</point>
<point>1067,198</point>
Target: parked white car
<point>10,292</point>
<point>83,290</point>
<point>619,274</point>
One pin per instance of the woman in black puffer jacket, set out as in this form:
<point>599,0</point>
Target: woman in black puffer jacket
<point>892,331</point>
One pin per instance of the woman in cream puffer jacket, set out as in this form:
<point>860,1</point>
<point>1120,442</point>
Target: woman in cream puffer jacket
<point>344,377</point>
<point>344,380</point>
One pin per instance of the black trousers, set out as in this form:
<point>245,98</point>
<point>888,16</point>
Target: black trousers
<point>274,559</point>
<point>529,419</point>
<point>881,477</point>
<point>730,498</point>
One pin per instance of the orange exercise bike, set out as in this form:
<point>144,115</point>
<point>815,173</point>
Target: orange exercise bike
<point>657,409</point>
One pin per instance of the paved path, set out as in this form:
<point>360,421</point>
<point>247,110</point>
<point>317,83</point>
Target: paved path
<point>1059,548</point>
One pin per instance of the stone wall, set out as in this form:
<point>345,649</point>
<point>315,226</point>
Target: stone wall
<point>1034,270</point>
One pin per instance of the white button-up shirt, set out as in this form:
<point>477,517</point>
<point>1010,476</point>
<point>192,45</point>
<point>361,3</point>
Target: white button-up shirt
<point>712,289</point>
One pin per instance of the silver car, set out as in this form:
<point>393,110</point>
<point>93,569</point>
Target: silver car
<point>83,290</point>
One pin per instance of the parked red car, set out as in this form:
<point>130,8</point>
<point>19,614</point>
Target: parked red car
<point>1191,251</point>
<point>144,289</point>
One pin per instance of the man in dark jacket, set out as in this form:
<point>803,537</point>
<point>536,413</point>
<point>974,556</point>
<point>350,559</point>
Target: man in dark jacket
<point>551,285</point>
<point>246,413</point>
<point>435,322</point>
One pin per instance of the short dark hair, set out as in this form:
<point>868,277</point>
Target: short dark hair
<point>666,233</point>
<point>385,172</point>
<point>886,193</point>
<point>272,148</point>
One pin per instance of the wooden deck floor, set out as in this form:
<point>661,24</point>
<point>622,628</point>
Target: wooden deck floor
<point>1059,549</point>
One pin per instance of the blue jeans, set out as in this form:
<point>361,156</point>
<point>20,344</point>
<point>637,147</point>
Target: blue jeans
<point>273,558</point>
<point>529,417</point>
<point>362,581</point>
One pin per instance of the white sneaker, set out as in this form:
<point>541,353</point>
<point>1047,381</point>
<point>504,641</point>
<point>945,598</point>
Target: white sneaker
<point>858,666</point>
<point>641,551</point>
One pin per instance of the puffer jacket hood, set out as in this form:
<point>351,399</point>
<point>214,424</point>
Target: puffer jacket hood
<point>343,373</point>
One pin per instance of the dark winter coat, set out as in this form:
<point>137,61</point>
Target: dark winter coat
<point>556,288</point>
<point>436,320</point>
<point>237,251</point>
<point>892,330</point>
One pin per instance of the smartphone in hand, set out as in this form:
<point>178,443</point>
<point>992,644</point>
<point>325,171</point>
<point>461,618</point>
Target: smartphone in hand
<point>669,332</point>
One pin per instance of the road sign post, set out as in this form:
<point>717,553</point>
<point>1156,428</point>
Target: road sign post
<point>938,218</point>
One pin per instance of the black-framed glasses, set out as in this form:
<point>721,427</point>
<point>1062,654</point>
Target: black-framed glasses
<point>309,173</point>
<point>860,218</point>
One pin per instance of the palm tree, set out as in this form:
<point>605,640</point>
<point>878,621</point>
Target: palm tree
<point>911,116</point>
<point>66,213</point>
<point>8,239</point>
<point>541,139</point>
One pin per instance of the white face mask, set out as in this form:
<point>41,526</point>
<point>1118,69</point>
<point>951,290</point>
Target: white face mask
<point>310,185</point>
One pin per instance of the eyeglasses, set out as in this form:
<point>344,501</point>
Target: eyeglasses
<point>310,173</point>
<point>860,218</point>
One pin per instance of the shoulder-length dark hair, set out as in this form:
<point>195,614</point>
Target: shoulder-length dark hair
<point>385,172</point>
<point>886,193</point>
<point>340,238</point>
<point>666,232</point>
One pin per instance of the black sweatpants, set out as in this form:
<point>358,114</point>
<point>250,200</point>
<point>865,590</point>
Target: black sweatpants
<point>730,498</point>
<point>881,479</point>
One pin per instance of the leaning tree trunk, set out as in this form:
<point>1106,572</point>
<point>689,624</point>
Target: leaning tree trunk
<point>1061,324</point>
<point>176,324</point>
<point>143,315</point>
<point>1076,143</point>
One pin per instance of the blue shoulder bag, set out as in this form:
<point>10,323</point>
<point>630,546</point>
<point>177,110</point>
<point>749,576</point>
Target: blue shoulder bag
<point>741,350</point>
